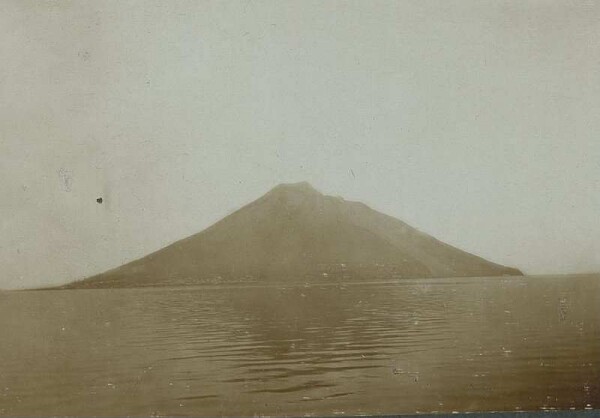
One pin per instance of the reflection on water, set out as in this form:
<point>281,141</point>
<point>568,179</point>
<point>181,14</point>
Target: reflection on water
<point>377,348</point>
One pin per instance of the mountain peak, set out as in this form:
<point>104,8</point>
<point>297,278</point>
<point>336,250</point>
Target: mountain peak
<point>300,187</point>
<point>296,233</point>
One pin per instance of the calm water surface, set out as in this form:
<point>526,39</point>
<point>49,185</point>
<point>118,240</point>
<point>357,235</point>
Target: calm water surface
<point>376,348</point>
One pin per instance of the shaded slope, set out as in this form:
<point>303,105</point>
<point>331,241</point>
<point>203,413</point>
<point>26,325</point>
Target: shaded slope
<point>295,232</point>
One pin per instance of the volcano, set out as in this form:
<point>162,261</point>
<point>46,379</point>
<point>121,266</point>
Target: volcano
<point>295,233</point>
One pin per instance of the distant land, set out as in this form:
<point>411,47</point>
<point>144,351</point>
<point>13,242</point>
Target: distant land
<point>294,233</point>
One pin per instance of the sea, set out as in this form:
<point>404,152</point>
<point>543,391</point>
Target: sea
<point>390,347</point>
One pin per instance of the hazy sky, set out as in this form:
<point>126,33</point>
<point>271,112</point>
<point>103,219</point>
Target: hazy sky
<point>475,121</point>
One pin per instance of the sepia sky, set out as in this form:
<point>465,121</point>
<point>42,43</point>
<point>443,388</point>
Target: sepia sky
<point>475,121</point>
